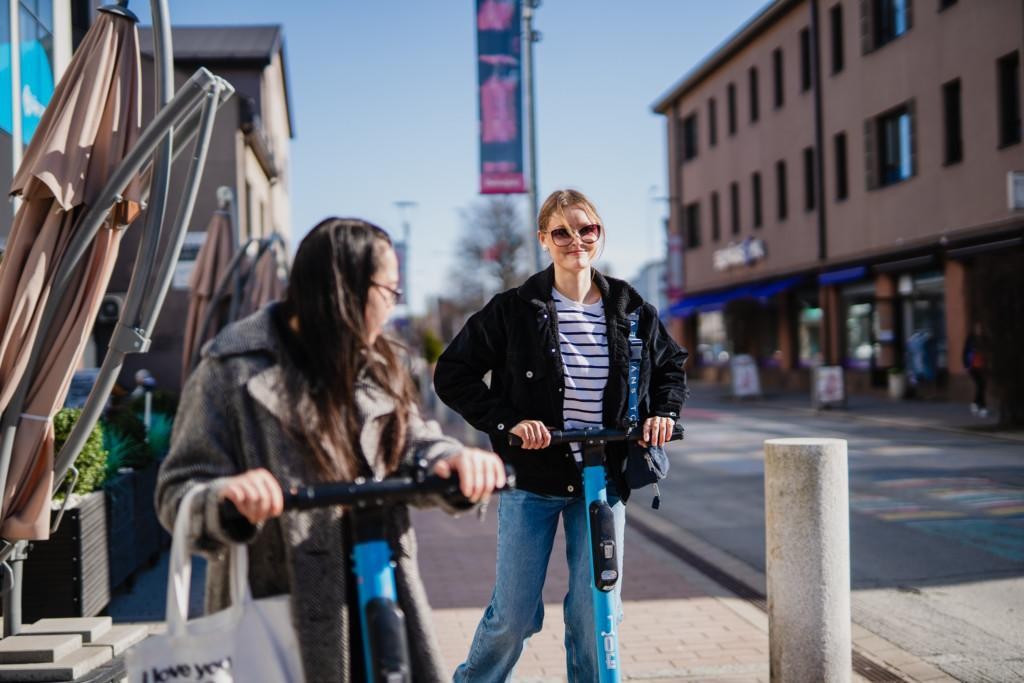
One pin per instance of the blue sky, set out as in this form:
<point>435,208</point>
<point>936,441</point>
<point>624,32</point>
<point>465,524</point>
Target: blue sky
<point>384,105</point>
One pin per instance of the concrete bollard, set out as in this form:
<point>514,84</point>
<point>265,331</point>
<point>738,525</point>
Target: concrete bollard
<point>807,534</point>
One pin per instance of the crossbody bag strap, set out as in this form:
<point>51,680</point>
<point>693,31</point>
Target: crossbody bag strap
<point>635,355</point>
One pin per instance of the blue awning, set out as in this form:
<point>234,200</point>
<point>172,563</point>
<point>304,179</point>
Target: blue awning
<point>715,301</point>
<point>835,277</point>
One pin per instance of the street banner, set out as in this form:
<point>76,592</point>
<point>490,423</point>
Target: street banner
<point>500,96</point>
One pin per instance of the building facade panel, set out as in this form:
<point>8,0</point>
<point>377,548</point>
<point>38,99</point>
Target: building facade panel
<point>779,134</point>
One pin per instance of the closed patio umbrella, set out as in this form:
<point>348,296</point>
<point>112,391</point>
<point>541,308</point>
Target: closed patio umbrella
<point>91,123</point>
<point>212,262</point>
<point>267,278</point>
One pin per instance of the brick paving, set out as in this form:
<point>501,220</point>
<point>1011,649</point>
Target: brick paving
<point>678,626</point>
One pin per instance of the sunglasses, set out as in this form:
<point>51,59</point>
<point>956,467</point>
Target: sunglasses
<point>588,234</point>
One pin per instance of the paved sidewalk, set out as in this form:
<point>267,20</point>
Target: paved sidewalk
<point>679,624</point>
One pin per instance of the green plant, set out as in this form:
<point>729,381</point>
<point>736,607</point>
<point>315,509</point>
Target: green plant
<point>160,426</point>
<point>122,450</point>
<point>91,461</point>
<point>125,419</point>
<point>895,370</point>
<point>432,346</point>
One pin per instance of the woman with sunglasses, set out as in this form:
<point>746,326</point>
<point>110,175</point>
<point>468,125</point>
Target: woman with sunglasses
<point>308,390</point>
<point>557,349</point>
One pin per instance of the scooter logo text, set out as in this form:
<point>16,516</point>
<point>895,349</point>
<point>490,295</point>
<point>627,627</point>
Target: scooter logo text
<point>610,650</point>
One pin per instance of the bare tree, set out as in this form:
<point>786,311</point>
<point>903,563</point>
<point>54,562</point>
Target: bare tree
<point>491,254</point>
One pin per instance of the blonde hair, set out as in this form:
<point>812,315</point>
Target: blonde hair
<point>559,201</point>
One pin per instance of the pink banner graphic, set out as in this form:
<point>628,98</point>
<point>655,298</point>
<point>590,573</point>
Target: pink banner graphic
<point>500,96</point>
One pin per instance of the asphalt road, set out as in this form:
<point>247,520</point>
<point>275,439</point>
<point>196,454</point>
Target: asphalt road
<point>936,524</point>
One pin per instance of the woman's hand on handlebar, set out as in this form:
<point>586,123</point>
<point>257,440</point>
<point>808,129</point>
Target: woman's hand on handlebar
<point>657,431</point>
<point>533,433</point>
<point>256,494</point>
<point>480,472</point>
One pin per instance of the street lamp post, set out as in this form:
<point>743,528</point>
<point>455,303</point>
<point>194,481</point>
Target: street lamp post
<point>529,38</point>
<point>403,206</point>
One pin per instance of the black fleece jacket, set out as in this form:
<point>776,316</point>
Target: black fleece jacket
<point>515,337</point>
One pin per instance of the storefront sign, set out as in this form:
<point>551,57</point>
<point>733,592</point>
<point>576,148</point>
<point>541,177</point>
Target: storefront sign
<point>745,381</point>
<point>500,96</point>
<point>747,252</point>
<point>186,262</point>
<point>829,389</point>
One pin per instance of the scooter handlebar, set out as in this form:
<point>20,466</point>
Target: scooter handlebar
<point>559,436</point>
<point>393,490</point>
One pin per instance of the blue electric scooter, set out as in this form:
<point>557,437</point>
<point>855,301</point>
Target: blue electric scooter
<point>385,646</point>
<point>604,553</point>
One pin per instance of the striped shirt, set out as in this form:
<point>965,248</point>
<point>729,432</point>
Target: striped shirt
<point>583,339</point>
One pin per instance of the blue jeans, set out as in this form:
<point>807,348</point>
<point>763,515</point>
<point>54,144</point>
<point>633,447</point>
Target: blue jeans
<point>526,532</point>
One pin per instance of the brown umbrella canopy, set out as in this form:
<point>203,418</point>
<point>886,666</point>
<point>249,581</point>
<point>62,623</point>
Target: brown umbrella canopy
<point>90,124</point>
<point>267,280</point>
<point>211,264</point>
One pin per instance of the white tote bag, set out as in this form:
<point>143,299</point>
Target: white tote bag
<point>250,641</point>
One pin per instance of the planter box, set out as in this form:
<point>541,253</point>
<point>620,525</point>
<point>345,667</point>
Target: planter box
<point>121,550</point>
<point>150,537</point>
<point>68,575</point>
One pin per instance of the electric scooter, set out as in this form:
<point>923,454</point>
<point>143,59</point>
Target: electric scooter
<point>385,646</point>
<point>604,567</point>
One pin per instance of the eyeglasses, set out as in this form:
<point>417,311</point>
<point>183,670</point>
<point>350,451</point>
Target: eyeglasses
<point>588,234</point>
<point>396,293</point>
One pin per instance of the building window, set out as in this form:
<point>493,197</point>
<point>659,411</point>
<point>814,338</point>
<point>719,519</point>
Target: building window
<point>712,122</point>
<point>805,60</point>
<point>809,198</point>
<point>954,147</point>
<point>731,97</point>
<point>692,218</point>
<point>782,192</point>
<point>946,4</point>
<point>1009,99</point>
<point>836,20</point>
<point>734,205</point>
<point>755,109</point>
<point>891,20</point>
<point>842,183</point>
<point>780,91</point>
<point>895,146</point>
<point>755,189</point>
<point>716,232</point>
<point>690,137</point>
<point>35,24</point>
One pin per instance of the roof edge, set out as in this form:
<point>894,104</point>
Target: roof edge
<point>736,41</point>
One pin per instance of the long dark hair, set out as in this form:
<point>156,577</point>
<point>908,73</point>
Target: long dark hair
<point>327,294</point>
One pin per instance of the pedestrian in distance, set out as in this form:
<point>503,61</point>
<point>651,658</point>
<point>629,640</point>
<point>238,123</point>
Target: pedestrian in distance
<point>976,363</point>
<point>303,391</point>
<point>557,350</point>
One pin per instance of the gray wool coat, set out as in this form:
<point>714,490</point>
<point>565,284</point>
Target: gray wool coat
<point>230,420</point>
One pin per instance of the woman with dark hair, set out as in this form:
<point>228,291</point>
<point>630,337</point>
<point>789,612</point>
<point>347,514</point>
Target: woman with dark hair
<point>309,390</point>
<point>557,350</point>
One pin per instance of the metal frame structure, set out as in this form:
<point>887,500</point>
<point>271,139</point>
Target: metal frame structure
<point>236,280</point>
<point>190,112</point>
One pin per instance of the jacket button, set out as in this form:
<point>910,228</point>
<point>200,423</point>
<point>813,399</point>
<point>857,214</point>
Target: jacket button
<point>570,488</point>
<point>552,350</point>
<point>529,373</point>
<point>501,426</point>
<point>559,389</point>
